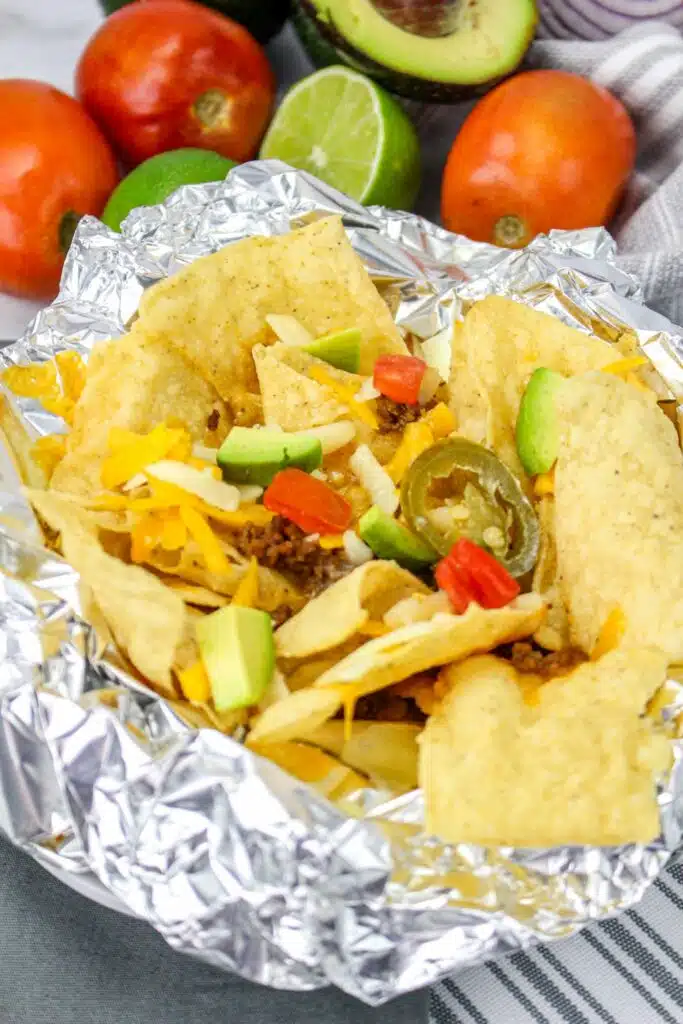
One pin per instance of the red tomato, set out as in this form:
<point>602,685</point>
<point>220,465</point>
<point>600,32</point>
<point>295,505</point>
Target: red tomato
<point>468,573</point>
<point>448,578</point>
<point>399,378</point>
<point>308,502</point>
<point>55,165</point>
<point>546,149</point>
<point>166,74</point>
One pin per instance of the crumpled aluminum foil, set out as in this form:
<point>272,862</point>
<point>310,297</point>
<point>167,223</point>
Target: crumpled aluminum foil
<point>227,857</point>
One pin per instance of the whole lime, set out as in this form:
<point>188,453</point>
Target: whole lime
<point>157,178</point>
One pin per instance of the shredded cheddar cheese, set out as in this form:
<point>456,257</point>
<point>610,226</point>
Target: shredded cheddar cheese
<point>363,411</point>
<point>129,457</point>
<point>330,541</point>
<point>209,545</point>
<point>173,534</point>
<point>544,484</point>
<point>48,452</point>
<point>622,367</point>
<point>440,421</point>
<point>610,635</point>
<point>373,628</point>
<point>194,682</point>
<point>57,384</point>
<point>246,594</point>
<point>417,437</point>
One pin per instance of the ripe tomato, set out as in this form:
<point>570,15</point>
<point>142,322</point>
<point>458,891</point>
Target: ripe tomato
<point>170,74</point>
<point>55,165</point>
<point>546,149</point>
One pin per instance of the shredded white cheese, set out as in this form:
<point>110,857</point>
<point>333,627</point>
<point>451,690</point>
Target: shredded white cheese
<point>374,479</point>
<point>356,550</point>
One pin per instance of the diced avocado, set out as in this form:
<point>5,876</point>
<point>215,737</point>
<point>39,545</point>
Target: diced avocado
<point>253,455</point>
<point>238,652</point>
<point>439,53</point>
<point>389,539</point>
<point>340,349</point>
<point>538,429</point>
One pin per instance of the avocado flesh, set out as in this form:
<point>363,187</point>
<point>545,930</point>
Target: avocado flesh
<point>387,538</point>
<point>489,42</point>
<point>538,431</point>
<point>238,653</point>
<point>249,456</point>
<point>340,349</point>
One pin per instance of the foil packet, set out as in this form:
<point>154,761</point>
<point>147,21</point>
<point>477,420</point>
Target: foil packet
<point>230,859</point>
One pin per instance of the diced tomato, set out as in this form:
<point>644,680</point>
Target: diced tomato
<point>450,579</point>
<point>469,570</point>
<point>308,502</point>
<point>399,378</point>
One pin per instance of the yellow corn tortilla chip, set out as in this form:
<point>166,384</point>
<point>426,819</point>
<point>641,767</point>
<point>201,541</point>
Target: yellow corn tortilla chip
<point>553,633</point>
<point>577,766</point>
<point>147,619</point>
<point>387,752</point>
<point>343,608</point>
<point>497,348</point>
<point>215,310</point>
<point>619,514</point>
<point>273,589</point>
<point>291,400</point>
<point>423,645</point>
<point>294,716</point>
<point>135,383</point>
<point>202,597</point>
<point>317,768</point>
<point>393,657</point>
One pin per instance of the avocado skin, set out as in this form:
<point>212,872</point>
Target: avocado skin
<point>263,18</point>
<point>325,46</point>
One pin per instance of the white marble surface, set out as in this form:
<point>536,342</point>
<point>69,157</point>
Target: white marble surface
<point>40,39</point>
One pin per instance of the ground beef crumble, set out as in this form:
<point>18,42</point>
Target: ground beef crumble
<point>395,415</point>
<point>388,706</point>
<point>280,615</point>
<point>282,545</point>
<point>531,660</point>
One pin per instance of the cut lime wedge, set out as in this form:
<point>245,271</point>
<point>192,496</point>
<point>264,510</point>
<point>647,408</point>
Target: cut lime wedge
<point>350,133</point>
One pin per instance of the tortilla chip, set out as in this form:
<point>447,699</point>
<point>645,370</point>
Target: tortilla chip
<point>619,514</point>
<point>147,620</point>
<point>317,768</point>
<point>273,589</point>
<point>215,310</point>
<point>498,347</point>
<point>344,607</point>
<point>395,656</point>
<point>553,633</point>
<point>578,766</point>
<point>135,383</point>
<point>291,400</point>
<point>201,597</point>
<point>387,752</point>
<point>295,716</point>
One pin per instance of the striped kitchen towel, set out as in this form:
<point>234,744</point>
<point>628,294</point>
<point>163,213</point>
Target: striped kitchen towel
<point>628,970</point>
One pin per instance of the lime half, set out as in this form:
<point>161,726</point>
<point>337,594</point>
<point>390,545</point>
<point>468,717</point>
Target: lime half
<point>347,131</point>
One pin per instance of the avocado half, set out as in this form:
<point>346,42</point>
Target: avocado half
<point>488,43</point>
<point>263,18</point>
